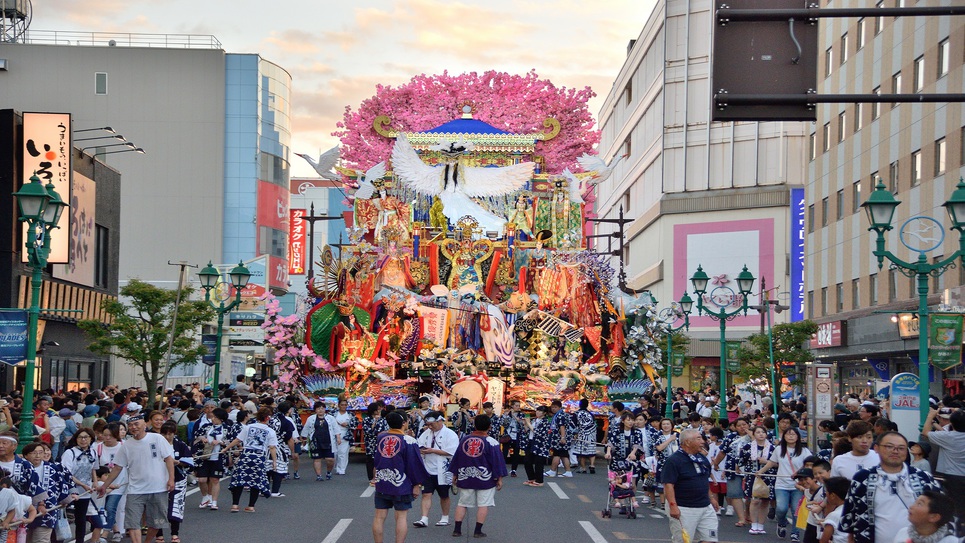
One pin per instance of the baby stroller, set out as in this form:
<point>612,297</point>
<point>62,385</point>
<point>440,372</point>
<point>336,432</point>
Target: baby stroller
<point>620,482</point>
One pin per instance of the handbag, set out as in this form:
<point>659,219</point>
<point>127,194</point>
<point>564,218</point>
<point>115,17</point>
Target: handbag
<point>760,490</point>
<point>62,528</point>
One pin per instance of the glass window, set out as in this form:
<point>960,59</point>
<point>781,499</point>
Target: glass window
<point>844,48</point>
<point>811,219</point>
<point>858,117</point>
<point>873,289</point>
<point>272,242</point>
<point>840,204</point>
<point>824,212</point>
<point>626,146</point>
<point>810,304</point>
<point>101,256</point>
<point>839,295</point>
<point>893,177</point>
<point>824,301</point>
<point>100,83</point>
<point>879,21</point>
<point>892,285</point>
<point>876,106</point>
<point>828,61</point>
<point>827,136</point>
<point>812,145</point>
<point>939,157</point>
<point>916,168</point>
<point>943,57</point>
<point>874,182</point>
<point>937,280</point>
<point>856,196</point>
<point>895,86</point>
<point>842,125</point>
<point>628,90</point>
<point>855,294</point>
<point>962,150</point>
<point>919,73</point>
<point>860,34</point>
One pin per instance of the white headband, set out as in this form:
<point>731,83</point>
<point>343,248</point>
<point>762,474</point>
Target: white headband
<point>9,438</point>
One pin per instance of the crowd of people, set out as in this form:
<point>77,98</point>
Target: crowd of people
<point>120,462</point>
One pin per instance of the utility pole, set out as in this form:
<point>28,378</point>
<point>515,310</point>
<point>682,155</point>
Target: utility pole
<point>182,278</point>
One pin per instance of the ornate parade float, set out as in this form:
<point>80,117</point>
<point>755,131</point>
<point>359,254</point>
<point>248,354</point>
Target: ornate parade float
<point>468,272</point>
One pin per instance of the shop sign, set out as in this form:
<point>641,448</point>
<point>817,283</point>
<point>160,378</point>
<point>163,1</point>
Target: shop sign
<point>829,334</point>
<point>945,340</point>
<point>908,325</point>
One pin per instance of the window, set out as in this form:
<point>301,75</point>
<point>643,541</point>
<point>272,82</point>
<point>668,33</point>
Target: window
<point>938,284</point>
<point>895,86</point>
<point>840,204</point>
<point>860,34</point>
<point>828,61</point>
<point>839,295</point>
<point>879,21</point>
<point>858,118</point>
<point>100,83</point>
<point>628,91</point>
<point>893,177</point>
<point>101,256</point>
<point>844,48</point>
<point>824,301</point>
<point>810,304</point>
<point>272,241</point>
<point>811,220</point>
<point>826,144</point>
<point>812,145</point>
<point>873,289</point>
<point>626,201</point>
<point>856,196</point>
<point>842,125</point>
<point>855,294</point>
<point>916,168</point>
<point>892,285</point>
<point>875,179</point>
<point>943,57</point>
<point>876,106</point>
<point>626,146</point>
<point>919,74</point>
<point>824,212</point>
<point>962,150</point>
<point>939,157</point>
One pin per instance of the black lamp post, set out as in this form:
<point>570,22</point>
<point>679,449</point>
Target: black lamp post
<point>210,277</point>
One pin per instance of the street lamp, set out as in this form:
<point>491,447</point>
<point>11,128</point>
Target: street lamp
<point>40,209</point>
<point>210,276</point>
<point>722,297</point>
<point>880,208</point>
<point>669,316</point>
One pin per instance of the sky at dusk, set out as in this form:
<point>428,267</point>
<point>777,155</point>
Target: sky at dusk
<point>337,51</point>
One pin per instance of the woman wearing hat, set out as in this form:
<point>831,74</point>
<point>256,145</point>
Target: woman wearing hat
<point>919,455</point>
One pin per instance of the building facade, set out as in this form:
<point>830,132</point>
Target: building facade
<point>916,150</point>
<point>713,194</point>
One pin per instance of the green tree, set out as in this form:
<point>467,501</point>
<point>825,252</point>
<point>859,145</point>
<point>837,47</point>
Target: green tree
<point>140,328</point>
<point>789,341</point>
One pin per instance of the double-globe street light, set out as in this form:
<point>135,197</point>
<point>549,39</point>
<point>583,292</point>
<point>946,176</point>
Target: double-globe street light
<point>210,276</point>
<point>921,234</point>
<point>668,316</point>
<point>722,297</point>
<point>40,209</point>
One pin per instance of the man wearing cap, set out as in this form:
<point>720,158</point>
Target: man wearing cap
<point>437,444</point>
<point>132,410</point>
<point>149,461</point>
<point>841,415</point>
<point>951,456</point>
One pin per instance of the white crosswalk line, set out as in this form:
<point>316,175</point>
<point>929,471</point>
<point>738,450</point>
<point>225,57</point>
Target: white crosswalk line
<point>558,491</point>
<point>368,492</point>
<point>337,531</point>
<point>595,535</point>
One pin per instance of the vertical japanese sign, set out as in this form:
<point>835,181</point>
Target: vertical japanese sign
<point>296,242</point>
<point>46,152</point>
<point>733,364</point>
<point>797,254</point>
<point>945,340</point>
<point>13,337</point>
<point>81,212</point>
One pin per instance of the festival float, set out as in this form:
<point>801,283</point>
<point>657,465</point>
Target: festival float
<point>467,273</point>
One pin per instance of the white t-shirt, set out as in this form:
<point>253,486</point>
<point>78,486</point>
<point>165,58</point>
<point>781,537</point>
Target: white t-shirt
<point>951,460</point>
<point>834,519</point>
<point>787,466</point>
<point>716,475</point>
<point>147,472</point>
<point>11,501</point>
<point>846,465</point>
<point>903,537</point>
<point>107,456</point>
<point>891,510</point>
<point>258,437</point>
<point>446,440</point>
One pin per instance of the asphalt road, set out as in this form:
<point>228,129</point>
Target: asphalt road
<point>340,511</point>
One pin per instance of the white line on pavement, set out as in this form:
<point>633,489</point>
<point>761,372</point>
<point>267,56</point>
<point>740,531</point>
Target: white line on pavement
<point>368,492</point>
<point>656,516</point>
<point>337,531</point>
<point>559,491</point>
<point>595,536</point>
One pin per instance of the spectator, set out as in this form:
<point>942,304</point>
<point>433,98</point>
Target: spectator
<point>861,456</point>
<point>240,386</point>
<point>951,457</point>
<point>686,486</point>
<point>929,517</point>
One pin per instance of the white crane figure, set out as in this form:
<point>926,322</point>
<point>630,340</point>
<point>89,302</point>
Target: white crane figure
<point>325,163</point>
<point>596,165</point>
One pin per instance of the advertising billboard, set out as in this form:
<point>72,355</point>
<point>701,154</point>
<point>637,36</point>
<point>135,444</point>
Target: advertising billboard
<point>80,268</point>
<point>46,152</point>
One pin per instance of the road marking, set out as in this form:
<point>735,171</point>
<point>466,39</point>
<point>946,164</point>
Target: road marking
<point>656,516</point>
<point>584,498</point>
<point>558,491</point>
<point>621,536</point>
<point>337,531</point>
<point>368,492</point>
<point>595,536</point>
<point>571,485</point>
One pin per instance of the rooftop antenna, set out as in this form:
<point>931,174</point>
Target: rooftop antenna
<point>15,18</point>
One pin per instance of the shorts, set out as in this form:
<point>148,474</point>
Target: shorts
<point>153,507</point>
<point>471,497</point>
<point>735,487</point>
<point>210,468</point>
<point>718,488</point>
<point>321,453</point>
<point>95,522</point>
<point>562,453</point>
<point>431,485</point>
<point>699,522</point>
<point>298,448</point>
<point>388,501</point>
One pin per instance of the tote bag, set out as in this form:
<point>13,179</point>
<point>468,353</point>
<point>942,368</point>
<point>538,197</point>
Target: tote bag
<point>760,489</point>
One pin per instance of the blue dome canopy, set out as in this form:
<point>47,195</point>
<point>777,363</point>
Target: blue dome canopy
<point>465,126</point>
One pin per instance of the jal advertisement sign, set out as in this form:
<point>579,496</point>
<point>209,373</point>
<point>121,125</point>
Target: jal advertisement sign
<point>46,152</point>
<point>905,404</point>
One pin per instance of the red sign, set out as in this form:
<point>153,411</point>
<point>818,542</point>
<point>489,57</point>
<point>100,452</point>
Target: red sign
<point>272,222</point>
<point>296,242</point>
<point>830,334</point>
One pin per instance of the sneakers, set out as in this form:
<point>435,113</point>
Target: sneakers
<point>297,476</point>
<point>328,476</point>
<point>117,537</point>
<point>592,469</point>
<point>781,531</point>
<point>512,473</point>
<point>277,495</point>
<point>795,538</point>
<point>646,499</point>
<point>205,503</point>
<point>549,474</point>
<point>567,474</point>
<point>729,511</point>
<point>771,514</point>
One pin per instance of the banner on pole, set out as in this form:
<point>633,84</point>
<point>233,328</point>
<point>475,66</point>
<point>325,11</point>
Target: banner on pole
<point>733,364</point>
<point>435,324</point>
<point>678,360</point>
<point>945,340</point>
<point>13,337</point>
